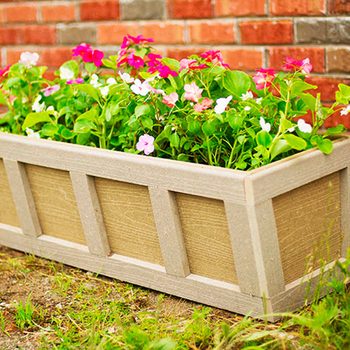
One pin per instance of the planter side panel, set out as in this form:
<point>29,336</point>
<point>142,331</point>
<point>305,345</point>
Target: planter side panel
<point>206,236</point>
<point>308,222</point>
<point>55,203</point>
<point>129,221</point>
<point>8,214</point>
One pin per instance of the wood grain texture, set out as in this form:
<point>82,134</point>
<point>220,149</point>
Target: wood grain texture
<point>55,203</point>
<point>8,214</point>
<point>207,237</point>
<point>128,218</point>
<point>308,221</point>
<point>23,197</point>
<point>345,209</point>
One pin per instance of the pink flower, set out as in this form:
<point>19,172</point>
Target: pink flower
<point>51,90</point>
<point>4,71</point>
<point>88,55</point>
<point>263,78</point>
<point>145,144</point>
<point>214,56</point>
<point>140,39</point>
<point>304,65</point>
<point>171,99</point>
<point>75,81</point>
<point>186,63</point>
<point>155,65</point>
<point>202,106</point>
<point>192,92</point>
<point>135,61</point>
<point>165,71</point>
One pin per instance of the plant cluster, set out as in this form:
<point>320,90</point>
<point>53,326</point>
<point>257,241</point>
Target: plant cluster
<point>195,109</point>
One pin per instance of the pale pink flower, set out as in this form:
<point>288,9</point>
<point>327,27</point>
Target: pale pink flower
<point>126,77</point>
<point>304,65</point>
<point>345,110</point>
<point>139,88</point>
<point>203,105</point>
<point>29,59</point>
<point>263,78</point>
<point>221,104</point>
<point>214,56</point>
<point>192,92</point>
<point>171,99</point>
<point>51,90</point>
<point>145,144</point>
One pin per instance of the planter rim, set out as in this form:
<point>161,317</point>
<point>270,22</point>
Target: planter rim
<point>170,163</point>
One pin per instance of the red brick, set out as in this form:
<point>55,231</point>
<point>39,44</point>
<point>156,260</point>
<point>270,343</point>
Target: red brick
<point>297,7</point>
<point>64,12</point>
<point>337,119</point>
<point>114,33</point>
<point>266,32</point>
<point>336,7</point>
<point>39,35</point>
<point>163,33</point>
<point>20,13</point>
<point>236,8</point>
<point>11,35</point>
<point>183,52</point>
<point>327,86</point>
<point>243,59</point>
<point>212,32</point>
<point>190,8</point>
<point>277,56</point>
<point>99,10</point>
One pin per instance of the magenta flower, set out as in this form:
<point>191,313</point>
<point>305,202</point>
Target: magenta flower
<point>75,81</point>
<point>203,105</point>
<point>192,64</point>
<point>215,57</point>
<point>51,90</point>
<point>135,61</point>
<point>81,49</point>
<point>140,39</point>
<point>303,65</point>
<point>263,78</point>
<point>145,144</point>
<point>171,99</point>
<point>4,71</point>
<point>192,92</point>
<point>88,55</point>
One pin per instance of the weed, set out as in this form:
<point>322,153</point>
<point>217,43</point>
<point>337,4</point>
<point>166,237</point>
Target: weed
<point>24,314</point>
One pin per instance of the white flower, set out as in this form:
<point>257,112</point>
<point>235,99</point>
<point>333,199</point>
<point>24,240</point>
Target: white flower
<point>247,108</point>
<point>29,59</point>
<point>37,106</point>
<point>264,126</point>
<point>111,81</point>
<point>126,77</point>
<point>304,127</point>
<point>32,134</point>
<point>50,108</point>
<point>94,81</point>
<point>221,104</point>
<point>345,110</point>
<point>291,129</point>
<point>66,74</point>
<point>258,100</point>
<point>139,88</point>
<point>248,95</point>
<point>104,91</point>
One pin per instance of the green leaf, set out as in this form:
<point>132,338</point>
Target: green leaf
<point>90,115</point>
<point>295,142</point>
<point>236,82</point>
<point>165,134</point>
<point>278,148</point>
<point>66,133</point>
<point>3,100</point>
<point>325,145</point>
<point>194,126</point>
<point>171,63</point>
<point>209,127</point>
<point>83,126</point>
<point>35,118</point>
<point>147,122</point>
<point>285,124</point>
<point>235,121</point>
<point>72,66</point>
<point>89,90</point>
<point>142,110</point>
<point>49,130</point>
<point>343,95</point>
<point>263,138</point>
<point>299,86</point>
<point>83,139</point>
<point>336,130</point>
<point>174,140</point>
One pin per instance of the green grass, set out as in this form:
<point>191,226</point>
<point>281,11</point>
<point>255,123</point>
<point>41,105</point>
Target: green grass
<point>57,307</point>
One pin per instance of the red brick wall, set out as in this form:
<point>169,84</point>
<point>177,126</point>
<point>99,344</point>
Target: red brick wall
<point>250,33</point>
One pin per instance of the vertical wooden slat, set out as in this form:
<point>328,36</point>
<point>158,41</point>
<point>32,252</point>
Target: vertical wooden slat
<point>169,232</point>
<point>90,213</point>
<point>345,209</point>
<point>23,198</point>
<point>242,248</point>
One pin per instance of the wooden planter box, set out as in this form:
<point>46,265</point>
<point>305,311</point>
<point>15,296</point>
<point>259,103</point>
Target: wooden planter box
<point>241,241</point>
